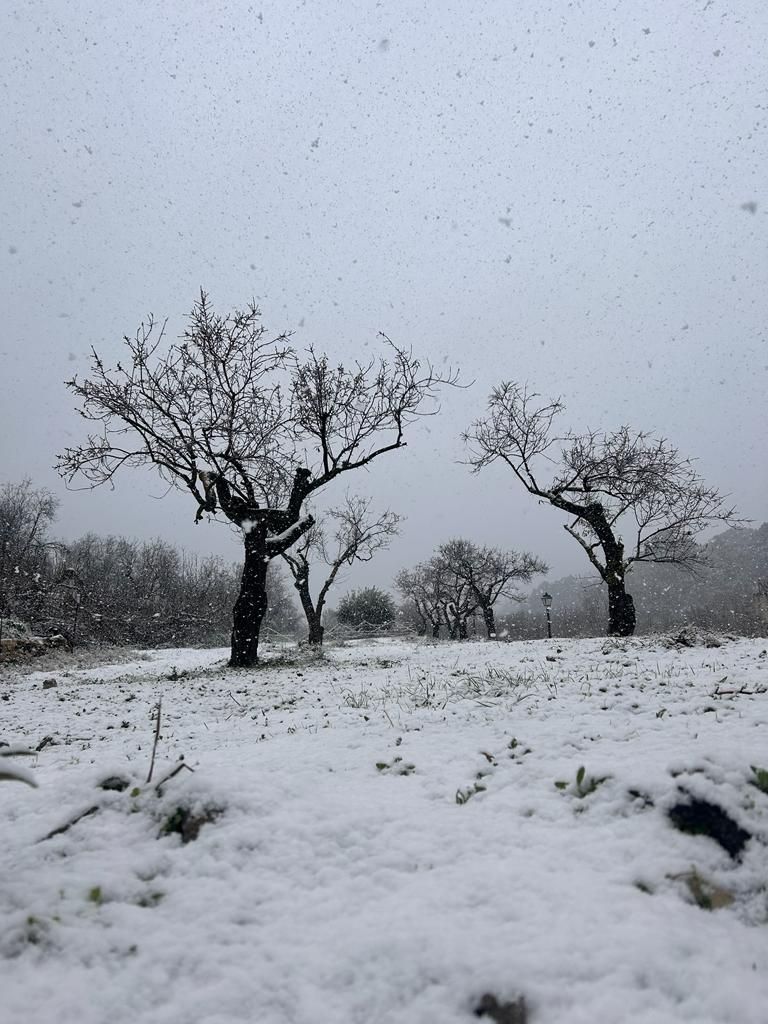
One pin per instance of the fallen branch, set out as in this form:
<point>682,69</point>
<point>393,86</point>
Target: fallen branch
<point>742,691</point>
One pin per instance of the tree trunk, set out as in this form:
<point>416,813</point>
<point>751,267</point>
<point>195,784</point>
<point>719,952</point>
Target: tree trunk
<point>316,633</point>
<point>621,607</point>
<point>313,615</point>
<point>621,610</point>
<point>463,628</point>
<point>251,605</point>
<point>489,620</point>
<point>435,630</point>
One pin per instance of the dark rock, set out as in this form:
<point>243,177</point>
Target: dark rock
<point>503,1013</point>
<point>702,818</point>
<point>116,783</point>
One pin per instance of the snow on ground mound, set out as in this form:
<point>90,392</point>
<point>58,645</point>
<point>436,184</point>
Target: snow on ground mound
<point>562,832</point>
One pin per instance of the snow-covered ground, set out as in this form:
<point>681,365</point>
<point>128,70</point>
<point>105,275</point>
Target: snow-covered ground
<point>390,834</point>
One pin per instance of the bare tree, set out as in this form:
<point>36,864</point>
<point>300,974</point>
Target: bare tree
<point>26,514</point>
<point>441,596</point>
<point>611,485</point>
<point>489,574</point>
<point>425,586</point>
<point>356,534</point>
<point>247,428</point>
<point>459,599</point>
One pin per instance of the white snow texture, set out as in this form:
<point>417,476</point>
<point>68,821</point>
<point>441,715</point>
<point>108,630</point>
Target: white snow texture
<point>384,841</point>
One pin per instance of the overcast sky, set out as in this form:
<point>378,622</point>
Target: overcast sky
<point>572,194</point>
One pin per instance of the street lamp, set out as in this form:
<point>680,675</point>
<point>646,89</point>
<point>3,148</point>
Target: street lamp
<point>546,600</point>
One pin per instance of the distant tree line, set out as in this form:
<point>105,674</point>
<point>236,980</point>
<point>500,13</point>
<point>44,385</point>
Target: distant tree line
<point>116,590</point>
<point>113,589</point>
<point>727,592</point>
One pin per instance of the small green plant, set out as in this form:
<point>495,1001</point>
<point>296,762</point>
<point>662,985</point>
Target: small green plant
<point>150,899</point>
<point>35,931</point>
<point>583,784</point>
<point>463,796</point>
<point>516,751</point>
<point>396,767</point>
<point>760,779</point>
<point>360,700</point>
<point>95,895</point>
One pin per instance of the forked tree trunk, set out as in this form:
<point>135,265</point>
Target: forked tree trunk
<point>251,605</point>
<point>621,611</point>
<point>313,620</point>
<point>314,616</point>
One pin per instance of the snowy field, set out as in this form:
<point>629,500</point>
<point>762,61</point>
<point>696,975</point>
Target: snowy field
<point>389,835</point>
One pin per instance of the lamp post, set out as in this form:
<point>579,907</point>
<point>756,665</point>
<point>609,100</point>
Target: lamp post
<point>546,600</point>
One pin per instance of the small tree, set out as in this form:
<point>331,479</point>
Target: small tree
<point>489,574</point>
<point>364,608</point>
<point>458,597</point>
<point>426,586</point>
<point>248,429</point>
<point>26,514</point>
<point>441,595</point>
<point>624,484</point>
<point>356,534</point>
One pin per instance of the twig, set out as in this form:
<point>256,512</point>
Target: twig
<point>742,691</point>
<point>170,775</point>
<point>65,828</point>
<point>157,737</point>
